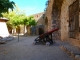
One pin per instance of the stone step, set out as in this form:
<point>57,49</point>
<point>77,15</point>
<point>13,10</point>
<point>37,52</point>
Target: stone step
<point>71,53</point>
<point>74,49</point>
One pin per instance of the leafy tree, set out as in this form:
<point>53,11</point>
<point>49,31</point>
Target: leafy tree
<point>5,5</point>
<point>27,22</point>
<point>24,22</point>
<point>15,18</point>
<point>31,22</point>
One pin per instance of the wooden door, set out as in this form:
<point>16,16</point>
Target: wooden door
<point>73,19</point>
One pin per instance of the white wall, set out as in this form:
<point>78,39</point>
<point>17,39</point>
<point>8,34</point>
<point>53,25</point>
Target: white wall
<point>3,29</point>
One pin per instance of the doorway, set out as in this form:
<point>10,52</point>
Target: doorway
<point>74,19</point>
<point>41,31</point>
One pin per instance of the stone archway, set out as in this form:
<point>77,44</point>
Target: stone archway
<point>40,30</point>
<point>56,22</point>
<point>56,12</point>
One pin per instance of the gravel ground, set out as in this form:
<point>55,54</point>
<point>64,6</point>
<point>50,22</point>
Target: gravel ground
<point>25,50</point>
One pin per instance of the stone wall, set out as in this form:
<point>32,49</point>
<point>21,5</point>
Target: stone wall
<point>48,16</point>
<point>64,18</point>
<point>79,19</point>
<point>57,15</point>
<point>40,21</point>
<point>56,11</point>
<point>79,23</point>
<point>40,24</point>
<point>37,16</point>
<point>65,24</point>
<point>53,17</point>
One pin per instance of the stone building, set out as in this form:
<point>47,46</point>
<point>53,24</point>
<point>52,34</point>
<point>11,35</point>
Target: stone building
<point>64,14</point>
<point>39,29</point>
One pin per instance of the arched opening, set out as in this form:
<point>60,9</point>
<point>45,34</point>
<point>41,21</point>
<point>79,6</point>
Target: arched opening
<point>41,31</point>
<point>56,12</point>
<point>56,22</point>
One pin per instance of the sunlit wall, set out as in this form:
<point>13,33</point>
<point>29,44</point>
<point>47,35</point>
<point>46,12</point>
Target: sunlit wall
<point>3,29</point>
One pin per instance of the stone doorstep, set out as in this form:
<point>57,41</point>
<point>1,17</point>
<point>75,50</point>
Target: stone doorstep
<point>70,53</point>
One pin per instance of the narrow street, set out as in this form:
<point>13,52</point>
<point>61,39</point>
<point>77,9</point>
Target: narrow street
<point>25,50</point>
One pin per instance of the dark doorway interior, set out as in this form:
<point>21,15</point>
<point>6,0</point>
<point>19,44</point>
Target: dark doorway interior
<point>41,31</point>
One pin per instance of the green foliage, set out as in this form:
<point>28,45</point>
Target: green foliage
<point>17,17</point>
<point>5,5</point>
<point>23,20</point>
<point>31,21</point>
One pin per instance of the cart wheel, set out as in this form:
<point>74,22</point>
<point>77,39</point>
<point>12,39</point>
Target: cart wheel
<point>34,42</point>
<point>47,43</point>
